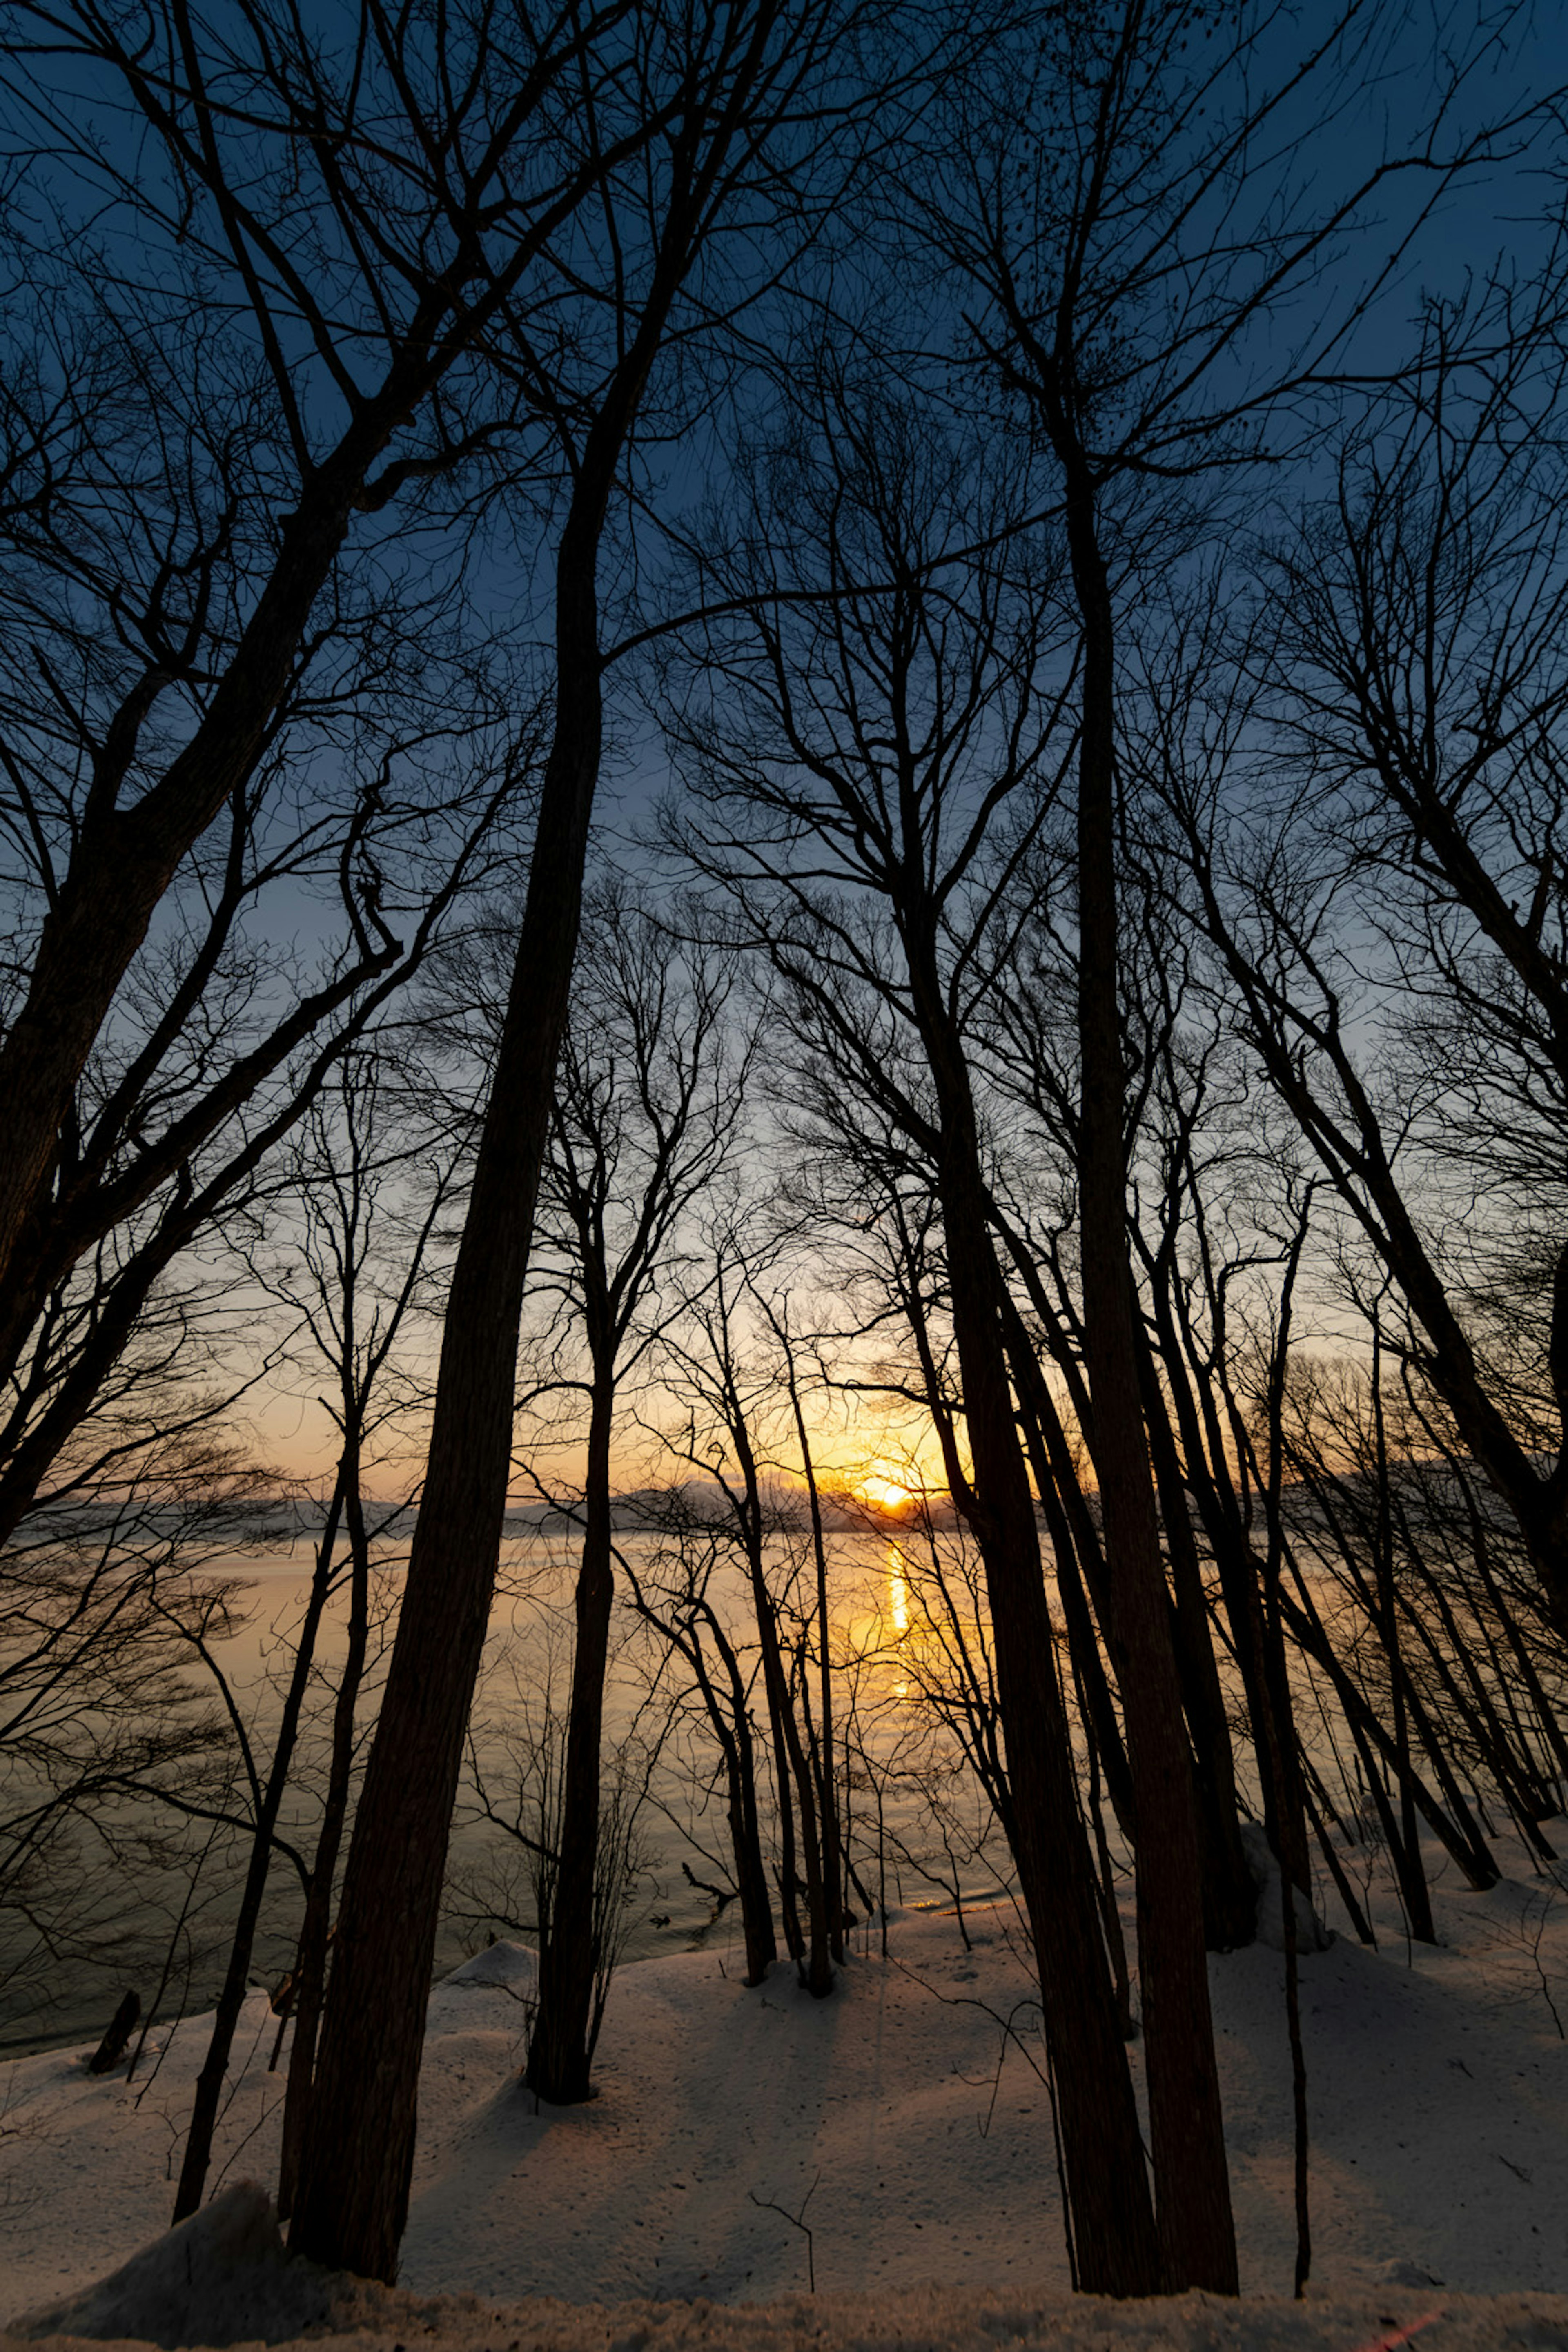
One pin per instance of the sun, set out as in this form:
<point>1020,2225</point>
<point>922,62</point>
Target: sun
<point>885,1493</point>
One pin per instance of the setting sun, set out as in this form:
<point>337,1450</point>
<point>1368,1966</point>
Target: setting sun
<point>885,1493</point>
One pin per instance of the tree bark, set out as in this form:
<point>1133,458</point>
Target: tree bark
<point>559,2055</point>
<point>1198,2232</point>
<point>358,2153</point>
<point>1112,2217</point>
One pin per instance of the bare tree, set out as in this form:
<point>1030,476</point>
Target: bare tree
<point>723,1395</point>
<point>1409,674</point>
<point>254,273</point>
<point>748,113</point>
<point>347,1172</point>
<point>874,746</point>
<point>678,1594</point>
<point>775,1312</point>
<point>1127,212</point>
<point>101,1715</point>
<point>364,216</point>
<point>516,1792</point>
<point>650,1089</point>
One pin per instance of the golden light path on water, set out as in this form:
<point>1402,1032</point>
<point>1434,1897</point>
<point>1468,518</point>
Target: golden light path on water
<point>899,1602</point>
<point>886,1492</point>
<point>898,1589</point>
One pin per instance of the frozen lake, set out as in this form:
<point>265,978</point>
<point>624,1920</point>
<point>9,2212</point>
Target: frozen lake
<point>157,1898</point>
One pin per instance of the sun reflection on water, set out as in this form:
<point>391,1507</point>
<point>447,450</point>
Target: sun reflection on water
<point>897,1591</point>
<point>898,1603</point>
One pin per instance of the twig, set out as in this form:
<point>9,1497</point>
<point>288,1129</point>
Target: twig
<point>796,2221</point>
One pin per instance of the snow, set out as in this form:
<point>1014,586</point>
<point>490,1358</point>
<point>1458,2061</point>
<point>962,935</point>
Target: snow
<point>1312,1933</point>
<point>901,2121</point>
<point>221,2274</point>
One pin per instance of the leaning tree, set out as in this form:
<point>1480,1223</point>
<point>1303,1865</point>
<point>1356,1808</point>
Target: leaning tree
<point>742,125</point>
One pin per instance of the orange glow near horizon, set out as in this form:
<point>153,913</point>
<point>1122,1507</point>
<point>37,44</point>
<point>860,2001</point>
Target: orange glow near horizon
<point>894,1485</point>
<point>292,1433</point>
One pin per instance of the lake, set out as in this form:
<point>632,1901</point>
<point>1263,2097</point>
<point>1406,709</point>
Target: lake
<point>154,1902</point>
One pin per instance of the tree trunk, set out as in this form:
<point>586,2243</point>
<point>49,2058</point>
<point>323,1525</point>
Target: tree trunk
<point>1229,1898</point>
<point>823,1781</point>
<point>237,1975</point>
<point>788,1748</point>
<point>733,1731</point>
<point>791,1770</point>
<point>315,1929</point>
<point>1036,1409</point>
<point>1264,1679</point>
<point>358,2154</point>
<point>1112,2215</point>
<point>1197,2233</point>
<point>559,2053</point>
<point>1414,1891</point>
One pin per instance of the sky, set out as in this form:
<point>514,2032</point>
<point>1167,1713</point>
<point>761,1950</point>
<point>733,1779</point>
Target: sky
<point>1497,212</point>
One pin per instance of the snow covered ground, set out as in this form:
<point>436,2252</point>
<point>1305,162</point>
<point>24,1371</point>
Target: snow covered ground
<point>911,2135</point>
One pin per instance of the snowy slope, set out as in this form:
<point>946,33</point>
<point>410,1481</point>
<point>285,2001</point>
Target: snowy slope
<point>1439,2101</point>
<point>222,2278</point>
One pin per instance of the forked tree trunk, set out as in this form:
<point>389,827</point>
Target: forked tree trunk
<point>792,1767</point>
<point>823,1780</point>
<point>1111,2217</point>
<point>1197,2233</point>
<point>560,2052</point>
